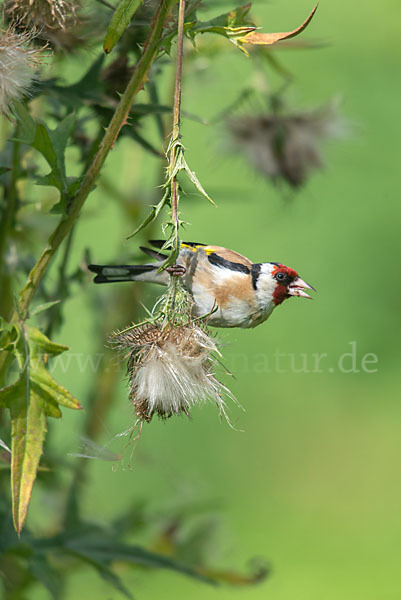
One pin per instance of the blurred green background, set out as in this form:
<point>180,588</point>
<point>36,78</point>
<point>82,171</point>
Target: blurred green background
<point>312,484</point>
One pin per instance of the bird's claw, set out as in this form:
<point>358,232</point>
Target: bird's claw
<point>176,270</point>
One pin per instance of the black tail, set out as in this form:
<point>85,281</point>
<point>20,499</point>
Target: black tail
<point>115,273</point>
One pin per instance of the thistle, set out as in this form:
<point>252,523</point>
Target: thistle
<point>285,146</point>
<point>48,14</point>
<point>18,65</point>
<point>171,360</point>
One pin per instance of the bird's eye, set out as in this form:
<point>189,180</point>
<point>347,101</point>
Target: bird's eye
<point>280,276</point>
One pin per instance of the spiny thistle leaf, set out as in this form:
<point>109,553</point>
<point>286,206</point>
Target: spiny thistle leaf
<point>119,23</point>
<point>196,182</point>
<point>43,307</point>
<point>52,145</point>
<point>40,342</point>
<point>99,550</point>
<point>154,213</point>
<point>59,394</point>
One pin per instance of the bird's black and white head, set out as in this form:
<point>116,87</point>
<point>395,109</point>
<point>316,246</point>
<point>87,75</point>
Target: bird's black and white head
<point>274,283</point>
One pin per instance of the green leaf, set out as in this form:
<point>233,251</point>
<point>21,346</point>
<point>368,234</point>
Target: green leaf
<point>112,578</point>
<point>40,343</point>
<point>102,550</point>
<point>119,22</point>
<point>33,397</point>
<point>9,335</point>
<point>42,571</point>
<point>145,144</point>
<point>103,570</point>
<point>52,145</point>
<point>52,389</point>
<point>26,125</point>
<point>87,90</point>
<point>28,427</point>
<point>231,25</point>
<point>12,392</point>
<point>42,307</point>
<point>196,182</point>
<point>233,20</point>
<point>154,213</point>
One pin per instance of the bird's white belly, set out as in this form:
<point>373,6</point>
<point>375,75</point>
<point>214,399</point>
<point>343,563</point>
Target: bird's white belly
<point>236,313</point>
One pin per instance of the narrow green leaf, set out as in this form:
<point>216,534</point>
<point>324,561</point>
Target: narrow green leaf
<point>104,571</point>
<point>42,571</point>
<point>42,307</point>
<point>28,427</point>
<point>196,182</point>
<point>154,213</point>
<point>149,219</point>
<point>52,388</point>
<point>145,144</point>
<point>40,343</point>
<point>103,550</point>
<point>119,22</point>
<point>112,578</point>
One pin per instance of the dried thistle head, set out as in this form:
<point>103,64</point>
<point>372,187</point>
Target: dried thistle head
<point>58,24</point>
<point>170,369</point>
<point>18,65</point>
<point>171,360</point>
<point>285,146</point>
<point>48,14</point>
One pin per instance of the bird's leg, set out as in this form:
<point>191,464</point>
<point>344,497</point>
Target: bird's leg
<point>176,270</point>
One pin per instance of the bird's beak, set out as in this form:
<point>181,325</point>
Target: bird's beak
<point>298,287</point>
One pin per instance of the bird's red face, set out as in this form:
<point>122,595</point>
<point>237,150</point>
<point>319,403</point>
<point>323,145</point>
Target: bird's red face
<point>288,283</point>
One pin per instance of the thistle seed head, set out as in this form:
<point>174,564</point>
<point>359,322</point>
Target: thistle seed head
<point>47,14</point>
<point>170,369</point>
<point>285,146</point>
<point>18,64</point>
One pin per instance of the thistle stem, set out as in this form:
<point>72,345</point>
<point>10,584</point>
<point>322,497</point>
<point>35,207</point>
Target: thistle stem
<point>175,137</point>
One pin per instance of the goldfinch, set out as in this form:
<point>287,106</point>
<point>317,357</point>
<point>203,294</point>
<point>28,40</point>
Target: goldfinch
<point>224,284</point>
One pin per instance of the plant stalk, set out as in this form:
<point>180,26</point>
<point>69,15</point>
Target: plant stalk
<point>177,111</point>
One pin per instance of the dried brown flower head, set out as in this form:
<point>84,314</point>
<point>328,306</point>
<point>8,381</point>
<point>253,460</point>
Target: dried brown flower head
<point>49,14</point>
<point>170,369</point>
<point>285,146</point>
